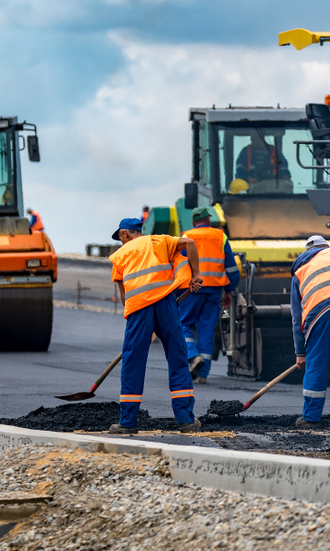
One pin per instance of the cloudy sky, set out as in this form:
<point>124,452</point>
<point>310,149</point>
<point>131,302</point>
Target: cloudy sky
<point>109,84</point>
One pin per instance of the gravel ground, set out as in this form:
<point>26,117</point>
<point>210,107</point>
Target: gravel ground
<point>129,502</point>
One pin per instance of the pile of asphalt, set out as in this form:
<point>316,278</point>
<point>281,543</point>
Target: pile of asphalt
<point>98,416</point>
<point>270,433</point>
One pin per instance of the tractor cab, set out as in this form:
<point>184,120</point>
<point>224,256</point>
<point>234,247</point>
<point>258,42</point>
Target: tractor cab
<point>245,160</point>
<point>11,197</point>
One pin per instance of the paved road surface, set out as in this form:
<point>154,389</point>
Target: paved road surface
<point>85,342</point>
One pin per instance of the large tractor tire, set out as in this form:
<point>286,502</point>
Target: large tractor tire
<point>26,318</point>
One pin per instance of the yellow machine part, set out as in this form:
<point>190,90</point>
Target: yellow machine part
<point>300,38</point>
<point>281,253</point>
<point>174,222</point>
<point>221,215</point>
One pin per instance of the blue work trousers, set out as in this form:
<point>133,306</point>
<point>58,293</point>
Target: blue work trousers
<point>316,370</point>
<point>202,310</point>
<point>162,317</point>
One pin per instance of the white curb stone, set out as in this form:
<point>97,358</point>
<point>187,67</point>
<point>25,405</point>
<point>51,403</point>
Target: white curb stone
<point>284,476</point>
<point>288,477</point>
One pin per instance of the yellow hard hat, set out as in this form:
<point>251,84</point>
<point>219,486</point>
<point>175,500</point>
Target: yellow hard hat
<point>238,185</point>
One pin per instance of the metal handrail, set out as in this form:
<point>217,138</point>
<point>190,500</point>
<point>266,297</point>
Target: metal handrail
<point>312,142</point>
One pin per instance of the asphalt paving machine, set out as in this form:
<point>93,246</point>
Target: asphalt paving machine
<point>28,263</point>
<point>267,219</point>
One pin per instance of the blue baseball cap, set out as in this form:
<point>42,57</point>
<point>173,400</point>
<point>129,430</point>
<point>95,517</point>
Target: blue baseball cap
<point>127,224</point>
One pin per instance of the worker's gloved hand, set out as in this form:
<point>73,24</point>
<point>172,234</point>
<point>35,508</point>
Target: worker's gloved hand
<point>196,283</point>
<point>301,361</point>
<point>226,300</point>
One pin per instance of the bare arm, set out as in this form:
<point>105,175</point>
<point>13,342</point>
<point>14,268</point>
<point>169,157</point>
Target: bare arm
<point>192,254</point>
<point>122,291</point>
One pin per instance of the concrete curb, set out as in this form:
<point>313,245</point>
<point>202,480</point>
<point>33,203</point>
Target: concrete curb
<point>287,477</point>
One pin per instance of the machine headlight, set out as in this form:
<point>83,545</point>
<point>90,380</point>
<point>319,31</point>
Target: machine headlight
<point>33,263</point>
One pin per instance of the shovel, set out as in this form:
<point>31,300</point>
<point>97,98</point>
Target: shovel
<point>268,386</point>
<point>225,409</point>
<point>91,393</point>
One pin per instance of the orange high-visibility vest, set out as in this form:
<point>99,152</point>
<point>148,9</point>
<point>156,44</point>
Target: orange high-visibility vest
<point>38,225</point>
<point>146,279</point>
<point>273,158</point>
<point>210,246</point>
<point>314,282</point>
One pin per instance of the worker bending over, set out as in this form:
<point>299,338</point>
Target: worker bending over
<point>35,220</point>
<point>310,307</point>
<point>219,273</point>
<point>147,269</point>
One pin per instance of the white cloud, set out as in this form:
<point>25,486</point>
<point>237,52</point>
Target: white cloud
<point>130,144</point>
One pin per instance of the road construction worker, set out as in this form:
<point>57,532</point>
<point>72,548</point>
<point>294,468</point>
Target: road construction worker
<point>220,274</point>
<point>145,213</point>
<point>261,161</point>
<point>147,269</point>
<point>35,220</point>
<point>310,308</point>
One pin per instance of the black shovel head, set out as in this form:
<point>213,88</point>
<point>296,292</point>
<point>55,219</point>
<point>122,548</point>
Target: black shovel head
<point>77,396</point>
<point>222,408</point>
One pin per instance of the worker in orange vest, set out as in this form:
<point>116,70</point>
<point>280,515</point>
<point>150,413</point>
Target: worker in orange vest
<point>220,274</point>
<point>310,308</point>
<point>145,213</point>
<point>147,269</point>
<point>35,220</point>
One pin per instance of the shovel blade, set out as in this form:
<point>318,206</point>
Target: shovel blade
<point>77,396</point>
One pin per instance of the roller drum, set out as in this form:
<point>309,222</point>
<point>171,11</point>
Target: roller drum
<point>26,318</point>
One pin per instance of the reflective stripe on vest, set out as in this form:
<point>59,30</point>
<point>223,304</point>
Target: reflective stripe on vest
<point>314,282</point>
<point>146,279</point>
<point>158,268</point>
<point>210,244</point>
<point>38,225</point>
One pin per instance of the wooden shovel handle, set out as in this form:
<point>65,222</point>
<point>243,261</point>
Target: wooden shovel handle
<point>268,386</point>
<point>186,294</point>
<point>106,373</point>
<point>118,358</point>
<point>111,367</point>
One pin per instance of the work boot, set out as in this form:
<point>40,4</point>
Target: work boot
<point>301,423</point>
<point>200,381</point>
<point>190,427</point>
<point>118,429</point>
<point>195,364</point>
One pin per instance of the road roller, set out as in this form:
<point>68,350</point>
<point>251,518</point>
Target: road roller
<point>28,263</point>
<point>245,170</point>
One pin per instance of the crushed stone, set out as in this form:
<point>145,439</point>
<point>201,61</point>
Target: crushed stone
<point>107,501</point>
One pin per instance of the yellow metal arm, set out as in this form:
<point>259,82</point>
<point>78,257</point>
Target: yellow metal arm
<point>300,38</point>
